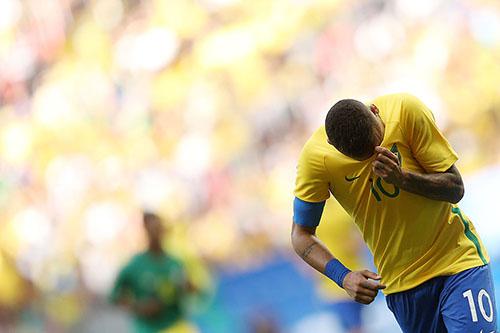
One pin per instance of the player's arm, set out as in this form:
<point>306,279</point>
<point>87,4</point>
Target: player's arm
<point>119,295</point>
<point>441,179</point>
<point>444,186</point>
<point>310,248</point>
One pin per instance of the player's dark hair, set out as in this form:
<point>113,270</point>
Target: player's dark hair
<point>350,128</point>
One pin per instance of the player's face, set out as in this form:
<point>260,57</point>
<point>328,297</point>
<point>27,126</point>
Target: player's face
<point>154,229</point>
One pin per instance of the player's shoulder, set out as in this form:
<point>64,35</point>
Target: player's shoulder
<point>137,259</point>
<point>133,264</point>
<point>400,106</point>
<point>397,97</point>
<point>317,141</point>
<point>397,101</point>
<point>172,262</point>
<point>175,261</point>
<point>315,147</point>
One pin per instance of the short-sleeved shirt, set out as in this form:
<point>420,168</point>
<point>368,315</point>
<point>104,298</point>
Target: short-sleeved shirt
<point>151,276</point>
<point>412,238</point>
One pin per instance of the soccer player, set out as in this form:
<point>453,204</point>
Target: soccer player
<point>394,172</point>
<point>152,284</point>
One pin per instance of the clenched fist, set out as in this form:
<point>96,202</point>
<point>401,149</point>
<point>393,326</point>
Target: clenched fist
<point>386,166</point>
<point>361,287</point>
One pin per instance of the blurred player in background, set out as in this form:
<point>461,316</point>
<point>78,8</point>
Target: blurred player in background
<point>341,236</point>
<point>394,172</point>
<point>153,284</point>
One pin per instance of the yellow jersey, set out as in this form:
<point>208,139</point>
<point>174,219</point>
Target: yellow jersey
<point>412,238</point>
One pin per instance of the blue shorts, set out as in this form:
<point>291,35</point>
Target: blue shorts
<point>460,303</point>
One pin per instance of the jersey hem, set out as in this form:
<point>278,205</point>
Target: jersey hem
<point>414,285</point>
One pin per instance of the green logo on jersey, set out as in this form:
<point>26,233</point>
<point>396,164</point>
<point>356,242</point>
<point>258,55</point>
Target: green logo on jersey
<point>378,182</point>
<point>469,234</point>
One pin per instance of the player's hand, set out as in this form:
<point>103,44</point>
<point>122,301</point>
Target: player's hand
<point>360,288</point>
<point>386,166</point>
<point>148,308</point>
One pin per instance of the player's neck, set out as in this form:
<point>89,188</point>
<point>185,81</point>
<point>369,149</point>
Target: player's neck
<point>155,248</point>
<point>379,131</point>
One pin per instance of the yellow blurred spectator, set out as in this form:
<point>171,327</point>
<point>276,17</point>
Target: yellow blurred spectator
<point>15,292</point>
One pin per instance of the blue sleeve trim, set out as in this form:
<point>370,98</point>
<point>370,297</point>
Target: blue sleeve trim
<point>307,214</point>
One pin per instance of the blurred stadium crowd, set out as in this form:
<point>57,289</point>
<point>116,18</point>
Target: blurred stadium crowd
<point>198,110</point>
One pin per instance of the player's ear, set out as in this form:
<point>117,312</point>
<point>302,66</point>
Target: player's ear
<point>374,109</point>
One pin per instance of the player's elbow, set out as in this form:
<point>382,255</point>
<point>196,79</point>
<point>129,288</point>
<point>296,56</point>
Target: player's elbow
<point>458,194</point>
<point>295,237</point>
<point>300,235</point>
<point>455,185</point>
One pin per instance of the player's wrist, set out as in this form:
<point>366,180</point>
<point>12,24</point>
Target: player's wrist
<point>402,179</point>
<point>336,271</point>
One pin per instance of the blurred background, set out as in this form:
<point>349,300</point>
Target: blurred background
<point>198,110</point>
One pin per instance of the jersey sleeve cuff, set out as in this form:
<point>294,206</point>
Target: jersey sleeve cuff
<point>307,214</point>
<point>443,165</point>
